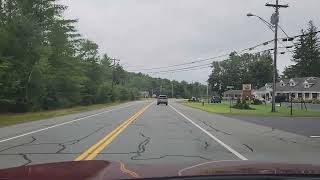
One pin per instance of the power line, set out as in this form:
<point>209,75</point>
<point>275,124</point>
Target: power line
<point>204,66</point>
<point>182,64</point>
<point>224,55</point>
<point>206,59</point>
<point>190,67</point>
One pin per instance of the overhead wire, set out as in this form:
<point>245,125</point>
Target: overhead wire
<point>224,55</point>
<point>190,67</point>
<point>205,59</point>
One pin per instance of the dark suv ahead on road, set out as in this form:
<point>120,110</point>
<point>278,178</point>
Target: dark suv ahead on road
<point>162,99</point>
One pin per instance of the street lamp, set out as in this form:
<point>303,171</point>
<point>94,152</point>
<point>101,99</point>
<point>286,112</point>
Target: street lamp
<point>275,20</point>
<point>270,26</point>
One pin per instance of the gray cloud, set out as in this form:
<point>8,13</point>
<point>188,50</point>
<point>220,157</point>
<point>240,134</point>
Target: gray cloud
<point>145,33</point>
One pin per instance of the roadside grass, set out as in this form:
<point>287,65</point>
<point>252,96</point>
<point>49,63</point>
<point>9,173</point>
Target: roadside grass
<point>16,118</point>
<point>260,110</point>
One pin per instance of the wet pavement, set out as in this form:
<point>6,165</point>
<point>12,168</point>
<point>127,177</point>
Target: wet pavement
<point>305,126</point>
<point>161,135</point>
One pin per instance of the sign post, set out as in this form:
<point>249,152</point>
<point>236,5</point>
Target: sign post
<point>230,88</point>
<point>246,91</point>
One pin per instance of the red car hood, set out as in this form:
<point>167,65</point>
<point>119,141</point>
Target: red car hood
<point>100,170</point>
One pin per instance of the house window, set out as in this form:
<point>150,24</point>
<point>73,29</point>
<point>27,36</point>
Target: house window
<point>306,86</point>
<point>299,95</point>
<point>307,95</point>
<point>314,95</point>
<point>292,83</point>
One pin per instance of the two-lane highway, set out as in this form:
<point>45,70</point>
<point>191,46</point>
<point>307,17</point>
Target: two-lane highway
<point>143,133</point>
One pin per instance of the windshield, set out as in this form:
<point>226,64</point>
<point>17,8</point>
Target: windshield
<point>164,84</point>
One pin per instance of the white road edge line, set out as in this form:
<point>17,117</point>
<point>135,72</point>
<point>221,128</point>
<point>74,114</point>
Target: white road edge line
<point>201,164</point>
<point>240,156</point>
<point>61,124</point>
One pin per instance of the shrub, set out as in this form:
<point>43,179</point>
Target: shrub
<point>242,105</point>
<point>316,101</point>
<point>256,102</point>
<point>104,93</point>
<point>123,94</point>
<point>308,101</point>
<point>87,99</point>
<point>280,98</point>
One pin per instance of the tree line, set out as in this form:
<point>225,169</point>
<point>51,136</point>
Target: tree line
<point>46,64</point>
<point>256,69</point>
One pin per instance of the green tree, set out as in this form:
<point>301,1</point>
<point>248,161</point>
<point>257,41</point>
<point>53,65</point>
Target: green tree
<point>306,55</point>
<point>46,64</point>
<point>255,69</point>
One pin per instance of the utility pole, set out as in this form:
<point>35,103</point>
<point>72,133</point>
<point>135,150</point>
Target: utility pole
<point>275,21</point>
<point>113,72</point>
<point>171,90</point>
<point>208,92</point>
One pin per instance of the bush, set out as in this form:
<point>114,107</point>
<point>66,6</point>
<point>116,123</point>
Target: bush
<point>104,93</point>
<point>316,101</point>
<point>256,102</point>
<point>280,98</point>
<point>242,105</point>
<point>123,94</point>
<point>313,101</point>
<point>12,106</point>
<point>87,99</point>
<point>308,101</point>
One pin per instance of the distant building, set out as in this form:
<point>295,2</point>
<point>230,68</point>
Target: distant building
<point>264,92</point>
<point>232,94</point>
<point>144,94</point>
<point>306,88</point>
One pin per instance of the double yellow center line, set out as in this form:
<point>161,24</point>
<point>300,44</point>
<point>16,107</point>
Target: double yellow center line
<point>95,149</point>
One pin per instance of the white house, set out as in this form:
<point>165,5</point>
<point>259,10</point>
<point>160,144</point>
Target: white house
<point>264,92</point>
<point>302,88</point>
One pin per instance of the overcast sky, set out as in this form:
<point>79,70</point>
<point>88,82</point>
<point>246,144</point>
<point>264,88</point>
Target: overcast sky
<point>155,33</point>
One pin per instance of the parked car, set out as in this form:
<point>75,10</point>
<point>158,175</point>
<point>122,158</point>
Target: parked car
<point>193,99</point>
<point>215,99</point>
<point>162,99</point>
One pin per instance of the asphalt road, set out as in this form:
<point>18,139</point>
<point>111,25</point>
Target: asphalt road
<point>305,126</point>
<point>143,133</point>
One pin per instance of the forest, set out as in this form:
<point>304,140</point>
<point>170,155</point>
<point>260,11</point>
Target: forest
<point>46,64</point>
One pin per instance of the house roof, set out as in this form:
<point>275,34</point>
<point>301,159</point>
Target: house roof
<point>314,83</point>
<point>266,87</point>
<point>233,92</point>
<point>262,88</point>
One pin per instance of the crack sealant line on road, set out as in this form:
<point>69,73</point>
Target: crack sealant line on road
<point>315,136</point>
<point>61,124</point>
<point>240,156</point>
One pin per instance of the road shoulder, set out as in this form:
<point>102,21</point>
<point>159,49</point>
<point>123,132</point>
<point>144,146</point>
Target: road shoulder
<point>27,127</point>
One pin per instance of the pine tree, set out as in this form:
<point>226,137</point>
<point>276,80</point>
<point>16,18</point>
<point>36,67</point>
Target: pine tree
<point>306,55</point>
